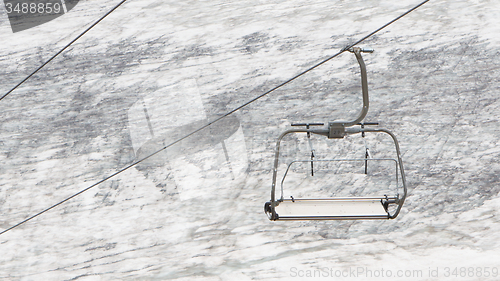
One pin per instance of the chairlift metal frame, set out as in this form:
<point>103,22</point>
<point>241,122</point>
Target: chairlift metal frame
<point>339,208</point>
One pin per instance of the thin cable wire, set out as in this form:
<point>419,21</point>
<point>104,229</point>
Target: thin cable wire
<point>62,50</point>
<point>214,121</point>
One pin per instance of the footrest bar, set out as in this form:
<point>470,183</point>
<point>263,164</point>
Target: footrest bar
<point>346,208</point>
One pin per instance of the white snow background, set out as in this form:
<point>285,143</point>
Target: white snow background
<point>195,212</point>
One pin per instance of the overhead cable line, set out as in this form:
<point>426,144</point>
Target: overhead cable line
<point>62,50</point>
<point>217,119</point>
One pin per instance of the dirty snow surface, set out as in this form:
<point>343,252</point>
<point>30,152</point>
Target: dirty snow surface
<point>154,71</point>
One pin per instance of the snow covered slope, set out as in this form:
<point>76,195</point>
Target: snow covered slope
<point>154,70</point>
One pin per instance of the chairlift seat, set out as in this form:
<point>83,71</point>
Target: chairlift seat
<point>332,208</point>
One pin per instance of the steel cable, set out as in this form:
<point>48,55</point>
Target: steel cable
<point>62,50</point>
<point>219,118</point>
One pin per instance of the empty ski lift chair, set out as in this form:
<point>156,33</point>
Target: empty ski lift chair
<point>343,208</point>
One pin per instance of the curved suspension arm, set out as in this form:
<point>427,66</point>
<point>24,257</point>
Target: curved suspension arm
<point>364,88</point>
